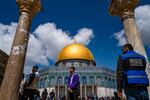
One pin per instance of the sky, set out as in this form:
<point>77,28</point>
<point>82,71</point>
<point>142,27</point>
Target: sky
<point>62,21</point>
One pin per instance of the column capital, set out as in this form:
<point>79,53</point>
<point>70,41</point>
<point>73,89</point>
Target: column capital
<point>122,8</point>
<point>127,14</point>
<point>30,7</point>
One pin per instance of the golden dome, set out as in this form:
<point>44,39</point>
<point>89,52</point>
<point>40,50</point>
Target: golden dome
<point>75,51</point>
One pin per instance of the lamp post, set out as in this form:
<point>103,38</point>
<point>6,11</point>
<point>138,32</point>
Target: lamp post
<point>14,69</point>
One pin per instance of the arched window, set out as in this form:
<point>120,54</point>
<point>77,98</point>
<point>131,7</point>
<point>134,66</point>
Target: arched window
<point>64,64</point>
<point>106,82</point>
<point>72,64</point>
<point>80,64</point>
<point>45,82</point>
<point>68,64</point>
<point>92,81</point>
<point>52,81</point>
<point>109,83</point>
<point>59,80</point>
<point>84,80</point>
<point>76,64</point>
<point>41,82</point>
<point>99,81</point>
<point>113,82</point>
<point>66,80</point>
<point>60,64</point>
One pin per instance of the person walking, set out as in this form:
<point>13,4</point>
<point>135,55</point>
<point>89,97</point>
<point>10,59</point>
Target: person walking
<point>131,75</point>
<point>73,84</point>
<point>44,94</point>
<point>30,86</point>
<point>52,95</point>
<point>116,97</point>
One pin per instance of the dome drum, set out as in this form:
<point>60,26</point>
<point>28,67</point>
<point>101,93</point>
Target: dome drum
<point>75,63</point>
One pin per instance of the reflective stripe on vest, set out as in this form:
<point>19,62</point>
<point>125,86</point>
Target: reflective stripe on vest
<point>136,77</point>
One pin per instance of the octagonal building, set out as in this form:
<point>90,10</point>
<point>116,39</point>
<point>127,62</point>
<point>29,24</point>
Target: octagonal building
<point>94,80</point>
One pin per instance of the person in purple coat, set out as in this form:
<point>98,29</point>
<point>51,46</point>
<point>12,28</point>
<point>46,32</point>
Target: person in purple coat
<point>73,84</point>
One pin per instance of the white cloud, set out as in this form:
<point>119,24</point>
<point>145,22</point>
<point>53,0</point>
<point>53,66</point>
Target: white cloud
<point>120,36</point>
<point>45,42</point>
<point>142,14</point>
<point>84,36</point>
<point>6,36</point>
<point>54,39</point>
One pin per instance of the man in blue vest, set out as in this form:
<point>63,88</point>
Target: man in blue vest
<point>131,75</point>
<point>73,84</point>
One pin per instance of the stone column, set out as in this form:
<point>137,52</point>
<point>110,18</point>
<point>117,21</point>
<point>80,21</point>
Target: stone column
<point>14,69</point>
<point>85,92</point>
<point>66,90</point>
<point>125,10</point>
<point>58,92</point>
<point>81,90</point>
<point>93,89</point>
<point>131,32</point>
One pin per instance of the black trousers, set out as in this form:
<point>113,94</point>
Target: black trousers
<point>29,94</point>
<point>21,96</point>
<point>74,95</point>
<point>137,93</point>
